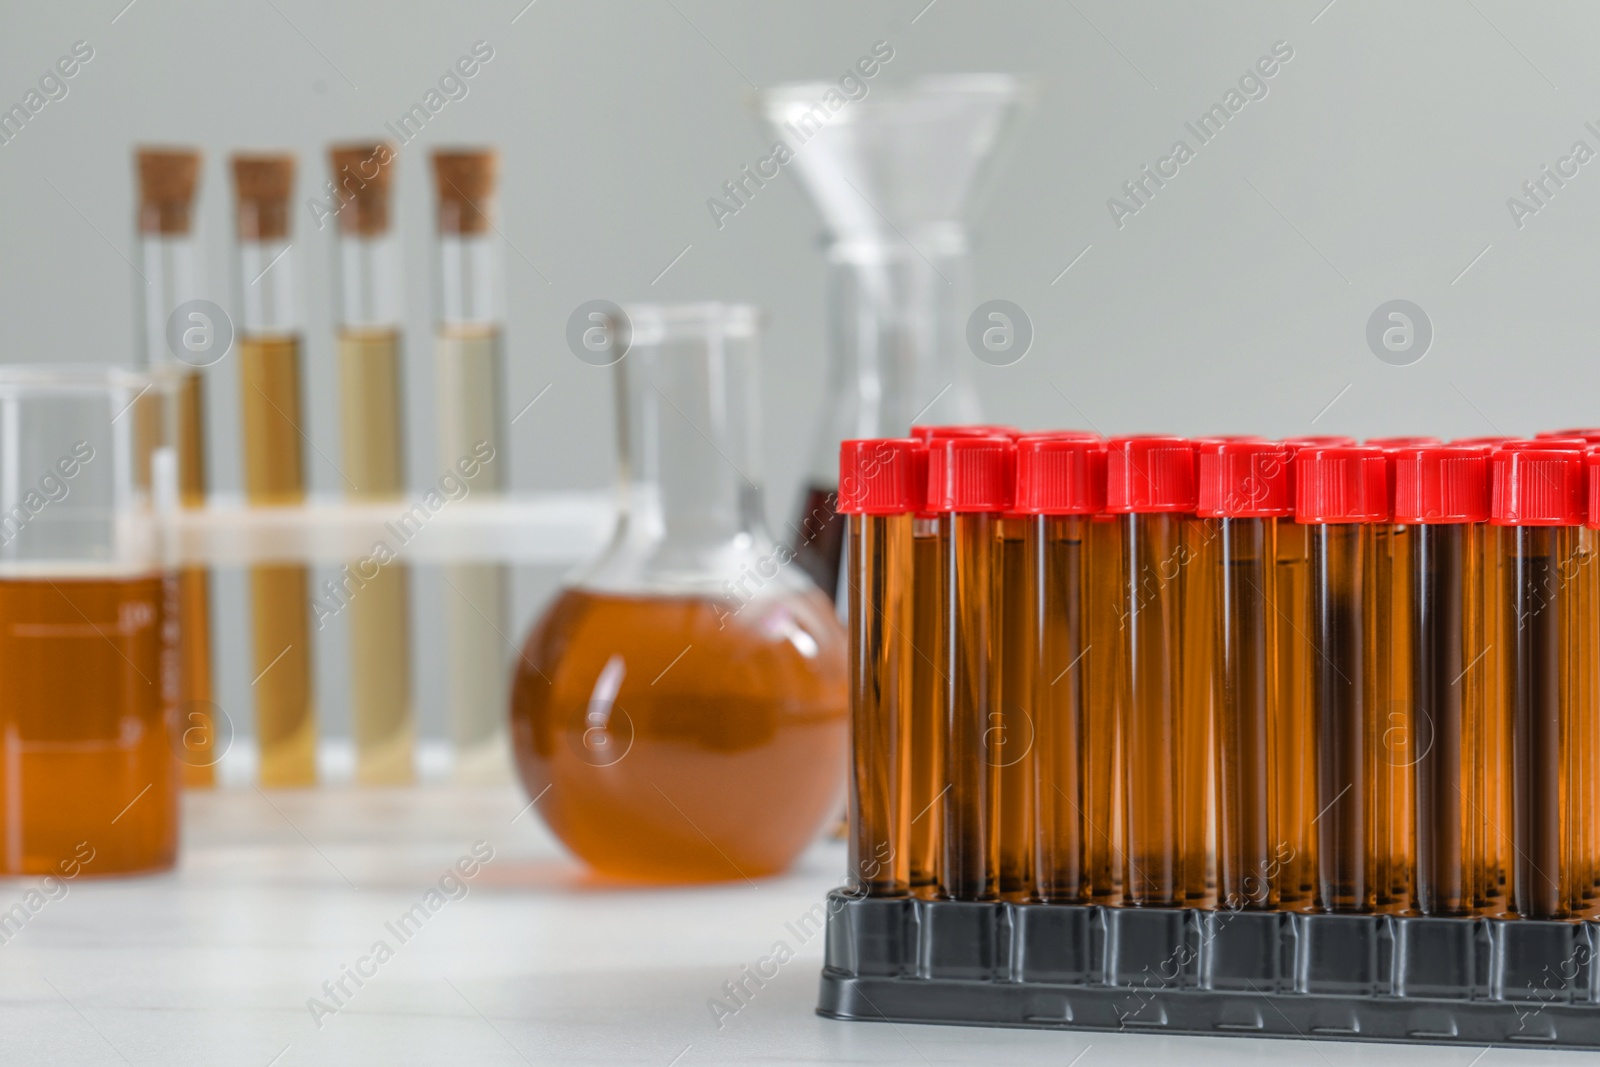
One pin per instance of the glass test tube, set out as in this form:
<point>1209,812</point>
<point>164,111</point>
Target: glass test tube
<point>1584,649</point>
<point>1015,720</point>
<point>1341,493</point>
<point>878,496</point>
<point>969,485</point>
<point>1295,747</point>
<point>925,777</point>
<point>1060,486</point>
<point>169,263</point>
<point>1107,698</point>
<point>1150,486</point>
<point>371,371</point>
<point>1393,835</point>
<point>1197,701</point>
<point>928,682</point>
<point>269,380</point>
<point>1441,493</point>
<point>1244,487</point>
<point>1537,506</point>
<point>1582,571</point>
<point>1014,745</point>
<point>1492,775</point>
<point>89,623</point>
<point>468,355</point>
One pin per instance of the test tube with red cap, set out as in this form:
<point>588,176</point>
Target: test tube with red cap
<point>970,486</point>
<point>1244,487</point>
<point>1584,664</point>
<point>1107,698</point>
<point>1392,841</point>
<point>1441,494</point>
<point>1584,650</point>
<point>1296,792</point>
<point>928,433</point>
<point>878,495</point>
<point>926,778</point>
<point>1341,495</point>
<point>1537,504</point>
<point>1060,486</point>
<point>1150,487</point>
<point>1320,441</point>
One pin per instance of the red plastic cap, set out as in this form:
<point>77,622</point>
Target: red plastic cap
<point>1591,470</point>
<point>1537,487</point>
<point>1341,484</point>
<point>1243,479</point>
<point>1544,444</point>
<point>929,433</point>
<point>1149,474</point>
<point>1060,475</point>
<point>1331,441</point>
<point>880,477</point>
<point>1441,484</point>
<point>1495,440</point>
<point>970,473</point>
<point>1389,444</point>
<point>1588,434</point>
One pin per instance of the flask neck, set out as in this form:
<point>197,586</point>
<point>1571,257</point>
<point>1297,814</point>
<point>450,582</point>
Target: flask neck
<point>688,408</point>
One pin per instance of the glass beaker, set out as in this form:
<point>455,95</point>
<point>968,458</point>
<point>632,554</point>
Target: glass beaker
<point>894,175</point>
<point>89,623</point>
<point>684,700</point>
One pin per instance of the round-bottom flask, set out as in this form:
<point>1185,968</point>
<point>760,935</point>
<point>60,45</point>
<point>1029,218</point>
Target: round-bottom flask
<point>680,709</point>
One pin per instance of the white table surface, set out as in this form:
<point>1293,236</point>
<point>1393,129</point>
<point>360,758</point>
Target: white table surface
<point>538,963</point>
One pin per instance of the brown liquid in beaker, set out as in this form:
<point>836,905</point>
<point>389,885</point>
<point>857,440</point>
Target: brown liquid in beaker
<point>86,764</point>
<point>683,738</point>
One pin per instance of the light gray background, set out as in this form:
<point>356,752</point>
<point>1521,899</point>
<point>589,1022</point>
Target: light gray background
<point>1378,167</point>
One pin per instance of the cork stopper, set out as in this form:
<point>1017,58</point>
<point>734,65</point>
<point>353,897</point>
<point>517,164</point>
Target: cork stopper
<point>263,185</point>
<point>167,181</point>
<point>466,179</point>
<point>361,174</point>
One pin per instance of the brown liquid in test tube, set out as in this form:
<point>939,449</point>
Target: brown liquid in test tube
<point>1394,792</point>
<point>1582,655</point>
<point>969,486</point>
<point>1244,487</point>
<point>878,496</point>
<point>1016,722</point>
<point>1294,748</point>
<point>269,380</point>
<point>1341,494</point>
<point>925,778</point>
<point>1442,494</point>
<point>167,179</point>
<point>1150,485</point>
<point>1103,661</point>
<point>1060,487</point>
<point>1537,506</point>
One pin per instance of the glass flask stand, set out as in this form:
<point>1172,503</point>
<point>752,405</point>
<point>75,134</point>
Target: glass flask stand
<point>684,700</point>
<point>894,176</point>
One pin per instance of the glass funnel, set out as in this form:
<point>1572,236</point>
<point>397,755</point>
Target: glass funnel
<point>683,701</point>
<point>894,175</point>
